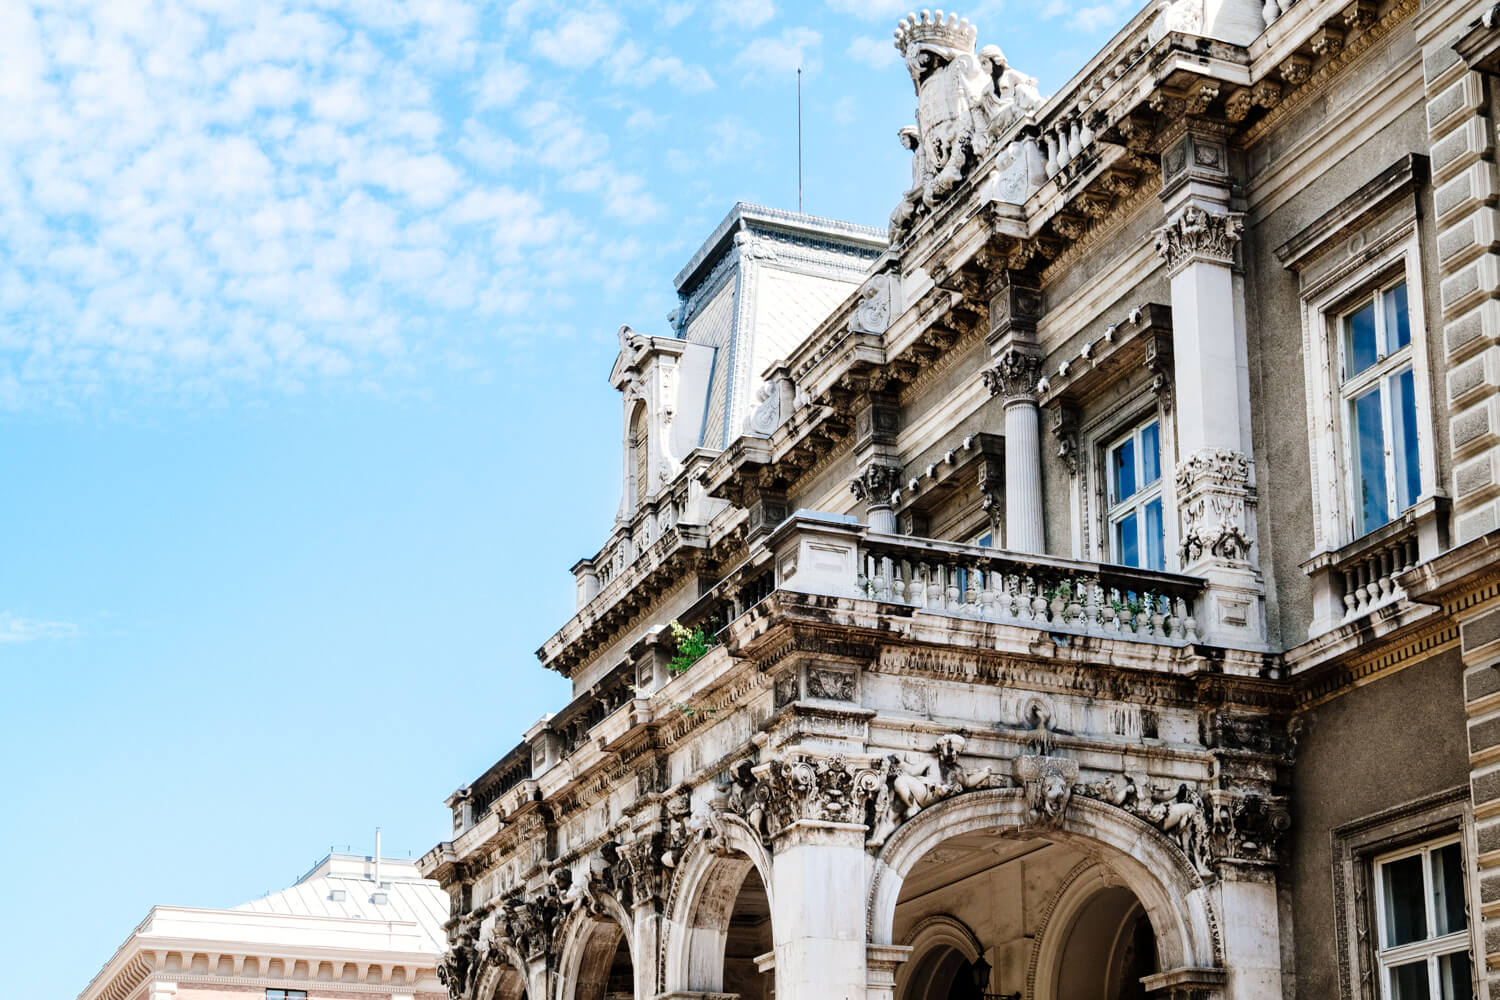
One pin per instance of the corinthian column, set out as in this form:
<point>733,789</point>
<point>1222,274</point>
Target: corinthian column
<point>1215,480</point>
<point>876,486</point>
<point>1014,378</point>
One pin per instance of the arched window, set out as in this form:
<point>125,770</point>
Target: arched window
<point>640,451</point>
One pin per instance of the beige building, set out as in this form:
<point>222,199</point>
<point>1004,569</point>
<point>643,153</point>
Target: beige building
<point>1085,590</point>
<point>351,927</point>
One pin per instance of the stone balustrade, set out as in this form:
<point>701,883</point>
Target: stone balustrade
<point>1368,575</point>
<point>975,581</point>
<point>830,555</point>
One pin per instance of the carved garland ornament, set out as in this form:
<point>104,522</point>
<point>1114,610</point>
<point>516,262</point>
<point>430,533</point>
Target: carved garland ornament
<point>1198,234</point>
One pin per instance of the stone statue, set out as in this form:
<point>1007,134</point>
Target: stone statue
<point>966,100</point>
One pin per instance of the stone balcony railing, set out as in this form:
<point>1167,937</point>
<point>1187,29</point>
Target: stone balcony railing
<point>831,555</point>
<point>828,555</point>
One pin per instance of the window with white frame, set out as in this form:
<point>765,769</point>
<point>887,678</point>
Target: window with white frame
<point>1136,528</point>
<point>1423,940</point>
<point>1378,390</point>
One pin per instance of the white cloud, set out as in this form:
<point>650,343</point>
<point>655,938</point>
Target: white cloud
<point>14,628</point>
<point>782,54</point>
<point>644,120</point>
<point>204,198</point>
<point>872,10</point>
<point>501,84</point>
<point>877,53</point>
<point>1094,17</point>
<point>673,14</point>
<point>746,15</point>
<point>630,66</point>
<point>580,39</point>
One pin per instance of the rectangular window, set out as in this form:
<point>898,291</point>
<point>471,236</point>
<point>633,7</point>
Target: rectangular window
<point>1380,408</point>
<point>286,995</point>
<point>1423,924</point>
<point>1136,523</point>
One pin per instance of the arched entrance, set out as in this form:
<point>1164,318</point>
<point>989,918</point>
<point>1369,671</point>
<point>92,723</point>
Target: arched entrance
<point>718,918</point>
<point>749,938</point>
<point>1079,910</point>
<point>1104,950</point>
<point>604,970</point>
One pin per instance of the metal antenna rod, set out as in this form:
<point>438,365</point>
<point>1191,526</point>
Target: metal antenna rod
<point>799,140</point>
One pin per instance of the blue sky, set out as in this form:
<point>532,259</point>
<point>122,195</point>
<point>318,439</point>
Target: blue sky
<point>305,316</point>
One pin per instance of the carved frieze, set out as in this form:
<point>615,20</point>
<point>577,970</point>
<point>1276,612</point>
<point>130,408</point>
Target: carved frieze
<point>835,685</point>
<point>1198,234</point>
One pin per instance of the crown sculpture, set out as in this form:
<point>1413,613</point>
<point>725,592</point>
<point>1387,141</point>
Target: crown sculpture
<point>966,101</point>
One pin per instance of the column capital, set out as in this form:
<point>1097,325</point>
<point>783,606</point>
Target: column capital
<point>1014,375</point>
<point>876,483</point>
<point>1197,234</point>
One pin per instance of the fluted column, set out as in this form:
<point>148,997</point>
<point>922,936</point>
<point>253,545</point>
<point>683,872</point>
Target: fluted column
<point>1014,378</point>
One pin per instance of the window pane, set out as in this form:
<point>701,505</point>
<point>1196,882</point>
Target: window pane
<point>1448,890</point>
<point>1404,448</point>
<point>1397,326</point>
<point>985,539</point>
<point>1409,981</point>
<point>1155,539</point>
<point>1371,507</point>
<point>1127,541</point>
<point>1359,341</point>
<point>1405,907</point>
<point>1150,453</point>
<point>1122,470</point>
<point>1455,980</point>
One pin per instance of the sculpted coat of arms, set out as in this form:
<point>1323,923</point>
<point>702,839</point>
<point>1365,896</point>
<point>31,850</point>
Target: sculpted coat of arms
<point>966,101</point>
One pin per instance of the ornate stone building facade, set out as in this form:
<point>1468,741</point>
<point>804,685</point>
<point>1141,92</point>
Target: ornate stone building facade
<point>1086,589</point>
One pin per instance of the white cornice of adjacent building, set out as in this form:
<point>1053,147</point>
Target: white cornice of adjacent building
<point>337,929</point>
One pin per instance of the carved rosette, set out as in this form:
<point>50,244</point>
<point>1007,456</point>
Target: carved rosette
<point>1199,235</point>
<point>1217,504</point>
<point>876,484</point>
<point>1014,375</point>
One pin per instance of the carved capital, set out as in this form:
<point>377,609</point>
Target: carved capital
<point>876,484</point>
<point>1014,375</point>
<point>1198,234</point>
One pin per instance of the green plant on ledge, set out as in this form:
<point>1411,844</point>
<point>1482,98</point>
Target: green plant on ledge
<point>692,644</point>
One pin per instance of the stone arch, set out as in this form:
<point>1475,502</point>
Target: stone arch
<point>700,902</point>
<point>1078,888</point>
<point>587,945</point>
<point>1146,861</point>
<point>939,932</point>
<point>505,976</point>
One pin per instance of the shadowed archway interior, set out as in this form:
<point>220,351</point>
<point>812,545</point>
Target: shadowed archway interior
<point>605,971</point>
<point>749,937</point>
